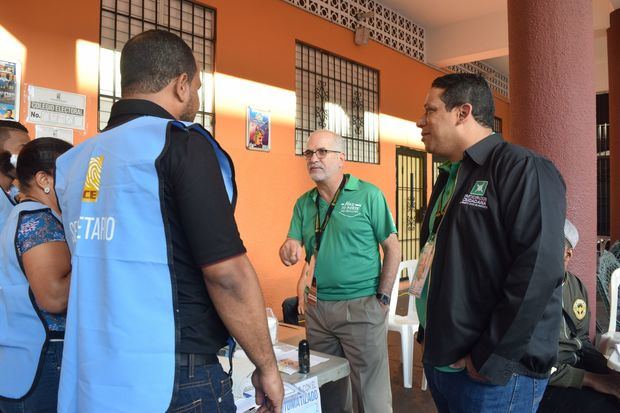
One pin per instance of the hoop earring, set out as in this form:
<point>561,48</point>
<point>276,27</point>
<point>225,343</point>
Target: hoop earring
<point>46,189</point>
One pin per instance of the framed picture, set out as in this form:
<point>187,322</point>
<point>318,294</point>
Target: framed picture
<point>10,79</point>
<point>258,136</point>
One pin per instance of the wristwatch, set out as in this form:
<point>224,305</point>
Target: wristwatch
<point>383,299</point>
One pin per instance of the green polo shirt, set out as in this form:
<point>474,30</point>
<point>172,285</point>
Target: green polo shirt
<point>348,264</point>
<point>443,199</point>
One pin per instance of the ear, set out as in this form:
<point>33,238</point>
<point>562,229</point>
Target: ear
<point>182,87</point>
<point>463,112</point>
<point>43,180</point>
<point>568,253</point>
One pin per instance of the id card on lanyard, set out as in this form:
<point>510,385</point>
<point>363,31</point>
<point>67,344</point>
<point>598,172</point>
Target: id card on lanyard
<point>428,251</point>
<point>319,230</point>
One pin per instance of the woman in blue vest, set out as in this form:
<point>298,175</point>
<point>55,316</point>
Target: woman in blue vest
<point>35,268</point>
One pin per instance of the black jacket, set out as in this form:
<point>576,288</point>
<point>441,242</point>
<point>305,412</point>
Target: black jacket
<point>495,288</point>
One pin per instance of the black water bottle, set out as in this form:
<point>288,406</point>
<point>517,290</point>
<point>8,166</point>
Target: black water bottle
<point>304,357</point>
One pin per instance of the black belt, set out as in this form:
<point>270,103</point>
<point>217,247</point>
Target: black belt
<point>185,359</point>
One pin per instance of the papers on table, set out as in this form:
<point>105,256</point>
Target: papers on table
<point>302,397</point>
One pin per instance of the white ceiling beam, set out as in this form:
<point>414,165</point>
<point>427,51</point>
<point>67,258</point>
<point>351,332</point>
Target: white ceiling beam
<point>483,37</point>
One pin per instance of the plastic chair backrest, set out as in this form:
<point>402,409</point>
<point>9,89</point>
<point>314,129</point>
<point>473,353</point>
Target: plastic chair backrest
<point>613,295</point>
<point>410,266</point>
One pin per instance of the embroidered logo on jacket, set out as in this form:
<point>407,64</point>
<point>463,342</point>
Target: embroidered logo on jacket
<point>480,187</point>
<point>580,308</point>
<point>93,179</point>
<point>476,197</point>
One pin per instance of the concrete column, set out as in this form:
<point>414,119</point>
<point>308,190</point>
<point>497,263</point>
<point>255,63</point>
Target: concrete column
<point>613,61</point>
<point>552,103</point>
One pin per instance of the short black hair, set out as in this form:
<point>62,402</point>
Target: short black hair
<point>151,59</point>
<point>39,155</point>
<point>461,88</point>
<point>7,126</point>
<point>11,124</point>
<point>6,167</point>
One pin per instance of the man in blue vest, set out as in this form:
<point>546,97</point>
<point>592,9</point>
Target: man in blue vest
<point>160,275</point>
<point>13,136</point>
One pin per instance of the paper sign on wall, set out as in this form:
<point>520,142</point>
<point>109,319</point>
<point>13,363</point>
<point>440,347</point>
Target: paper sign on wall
<point>56,108</point>
<point>42,131</point>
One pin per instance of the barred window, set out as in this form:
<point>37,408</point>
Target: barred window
<point>339,95</point>
<point>123,19</point>
<point>497,125</point>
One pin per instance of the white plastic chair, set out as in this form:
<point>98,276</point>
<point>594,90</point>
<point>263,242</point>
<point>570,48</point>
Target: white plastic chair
<point>405,325</point>
<point>611,339</point>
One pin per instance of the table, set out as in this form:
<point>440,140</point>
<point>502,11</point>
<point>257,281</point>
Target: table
<point>333,369</point>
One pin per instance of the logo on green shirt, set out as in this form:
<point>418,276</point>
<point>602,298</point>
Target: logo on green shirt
<point>480,187</point>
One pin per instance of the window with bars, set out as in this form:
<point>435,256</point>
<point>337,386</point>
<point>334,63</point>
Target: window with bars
<point>123,19</point>
<point>339,95</point>
<point>497,125</point>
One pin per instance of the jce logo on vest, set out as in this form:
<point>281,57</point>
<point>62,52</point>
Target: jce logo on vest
<point>93,179</point>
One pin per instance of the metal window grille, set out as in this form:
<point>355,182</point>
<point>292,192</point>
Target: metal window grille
<point>437,161</point>
<point>497,125</point>
<point>410,200</point>
<point>123,19</point>
<point>602,179</point>
<point>339,95</point>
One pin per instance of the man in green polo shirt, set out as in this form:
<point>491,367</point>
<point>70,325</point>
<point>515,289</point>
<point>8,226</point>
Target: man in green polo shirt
<point>348,295</point>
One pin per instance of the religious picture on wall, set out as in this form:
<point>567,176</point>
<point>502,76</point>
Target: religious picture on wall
<point>258,129</point>
<point>9,90</point>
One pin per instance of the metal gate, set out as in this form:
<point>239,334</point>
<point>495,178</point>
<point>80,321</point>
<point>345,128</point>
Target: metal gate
<point>410,199</point>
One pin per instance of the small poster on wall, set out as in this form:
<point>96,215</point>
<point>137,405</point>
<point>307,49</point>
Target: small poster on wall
<point>10,77</point>
<point>258,136</point>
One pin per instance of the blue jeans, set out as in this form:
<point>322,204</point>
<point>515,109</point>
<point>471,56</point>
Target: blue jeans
<point>45,395</point>
<point>458,393</point>
<point>203,389</point>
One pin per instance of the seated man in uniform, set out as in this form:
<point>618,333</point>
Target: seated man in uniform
<point>580,380</point>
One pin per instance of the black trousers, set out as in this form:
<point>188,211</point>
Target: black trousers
<point>584,400</point>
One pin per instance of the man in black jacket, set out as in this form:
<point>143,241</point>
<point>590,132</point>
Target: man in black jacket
<point>490,273</point>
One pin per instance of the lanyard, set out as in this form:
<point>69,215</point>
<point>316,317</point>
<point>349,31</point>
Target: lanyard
<point>443,202</point>
<point>319,228</point>
<point>440,212</point>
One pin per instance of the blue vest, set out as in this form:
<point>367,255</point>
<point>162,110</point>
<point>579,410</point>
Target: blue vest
<point>23,333</point>
<point>6,206</point>
<point>120,337</point>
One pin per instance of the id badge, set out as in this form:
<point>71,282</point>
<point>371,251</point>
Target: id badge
<point>423,269</point>
<point>311,289</point>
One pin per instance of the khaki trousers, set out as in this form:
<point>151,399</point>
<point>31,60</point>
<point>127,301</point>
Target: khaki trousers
<point>356,330</point>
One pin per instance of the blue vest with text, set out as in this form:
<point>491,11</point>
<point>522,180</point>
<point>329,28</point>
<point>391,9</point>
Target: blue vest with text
<point>23,333</point>
<point>6,206</point>
<point>120,337</point>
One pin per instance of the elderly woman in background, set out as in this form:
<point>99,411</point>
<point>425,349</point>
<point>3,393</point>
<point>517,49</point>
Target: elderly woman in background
<point>35,268</point>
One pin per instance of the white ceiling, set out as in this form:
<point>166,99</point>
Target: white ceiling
<point>445,16</point>
<point>436,13</point>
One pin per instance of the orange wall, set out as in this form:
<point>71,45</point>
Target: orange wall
<point>255,65</point>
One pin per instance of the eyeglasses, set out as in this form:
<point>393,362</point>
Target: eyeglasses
<point>320,153</point>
